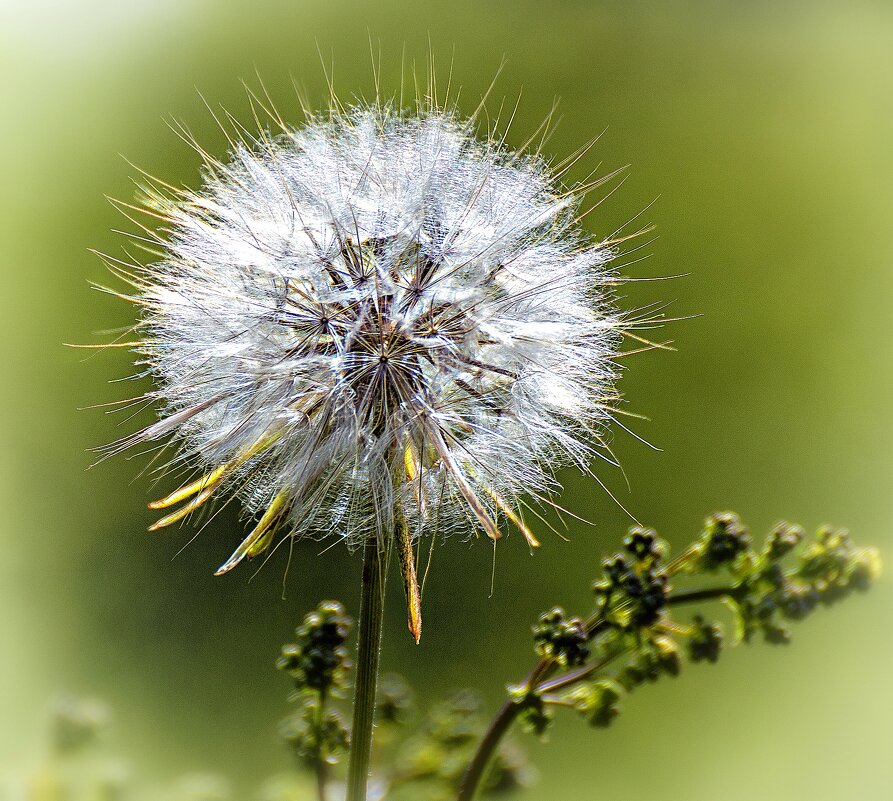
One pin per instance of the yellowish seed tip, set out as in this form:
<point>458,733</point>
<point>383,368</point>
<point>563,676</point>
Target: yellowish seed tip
<point>409,462</point>
<point>260,537</point>
<point>184,510</point>
<point>207,482</point>
<point>210,481</point>
<point>515,518</point>
<point>410,580</point>
<point>415,628</point>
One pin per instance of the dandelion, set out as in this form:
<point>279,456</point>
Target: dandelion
<point>375,326</point>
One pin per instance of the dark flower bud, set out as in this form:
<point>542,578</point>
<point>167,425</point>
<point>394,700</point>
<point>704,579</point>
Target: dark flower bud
<point>668,657</point>
<point>650,595</point>
<point>776,634</point>
<point>796,601</point>
<point>705,643</point>
<point>318,659</point>
<point>561,638</point>
<point>645,546</point>
<point>535,717</point>
<point>783,539</point>
<point>724,539</point>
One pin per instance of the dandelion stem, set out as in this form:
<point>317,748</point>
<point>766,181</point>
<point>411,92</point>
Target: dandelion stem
<point>369,650</point>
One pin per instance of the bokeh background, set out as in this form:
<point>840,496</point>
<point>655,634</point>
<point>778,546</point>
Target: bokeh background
<point>762,130</point>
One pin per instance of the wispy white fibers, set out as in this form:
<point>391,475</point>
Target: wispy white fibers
<point>376,314</point>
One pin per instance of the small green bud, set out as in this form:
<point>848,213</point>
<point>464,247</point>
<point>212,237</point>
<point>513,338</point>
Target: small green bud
<point>599,702</point>
<point>774,575</point>
<point>705,643</point>
<point>668,656</point>
<point>783,539</point>
<point>312,737</point>
<point>654,658</point>
<point>535,717</point>
<point>866,568</point>
<point>725,538</point>
<point>561,638</point>
<point>645,546</point>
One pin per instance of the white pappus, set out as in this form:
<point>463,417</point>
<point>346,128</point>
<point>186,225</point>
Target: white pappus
<point>376,325</point>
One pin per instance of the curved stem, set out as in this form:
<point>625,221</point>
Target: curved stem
<point>476,771</point>
<point>368,652</point>
<point>573,677</point>
<point>477,768</point>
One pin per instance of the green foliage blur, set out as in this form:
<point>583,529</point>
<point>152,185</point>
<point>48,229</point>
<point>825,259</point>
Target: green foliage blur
<point>762,130</point>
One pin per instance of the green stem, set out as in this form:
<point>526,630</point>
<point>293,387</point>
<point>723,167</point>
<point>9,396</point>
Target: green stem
<point>573,677</point>
<point>321,780</point>
<point>322,767</point>
<point>368,652</point>
<point>699,596</point>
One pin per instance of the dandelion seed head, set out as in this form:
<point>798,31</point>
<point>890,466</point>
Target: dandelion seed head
<point>377,311</point>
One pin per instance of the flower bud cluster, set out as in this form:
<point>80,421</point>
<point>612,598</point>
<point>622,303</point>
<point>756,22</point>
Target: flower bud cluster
<point>318,660</point>
<point>561,638</point>
<point>633,636</point>
<point>318,664</point>
<point>633,590</point>
<point>769,594</point>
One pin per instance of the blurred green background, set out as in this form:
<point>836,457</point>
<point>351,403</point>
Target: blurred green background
<point>764,131</point>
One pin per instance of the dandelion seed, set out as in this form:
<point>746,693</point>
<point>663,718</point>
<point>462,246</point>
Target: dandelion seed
<point>375,323</point>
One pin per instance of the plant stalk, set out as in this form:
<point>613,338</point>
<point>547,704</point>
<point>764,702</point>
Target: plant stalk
<point>368,653</point>
<point>477,768</point>
<point>322,768</point>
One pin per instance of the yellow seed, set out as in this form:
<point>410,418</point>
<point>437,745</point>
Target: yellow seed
<point>410,578</point>
<point>258,540</point>
<point>209,481</point>
<point>197,501</point>
<point>410,462</point>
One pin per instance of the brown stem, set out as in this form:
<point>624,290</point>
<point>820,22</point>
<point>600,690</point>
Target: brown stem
<point>575,676</point>
<point>477,768</point>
